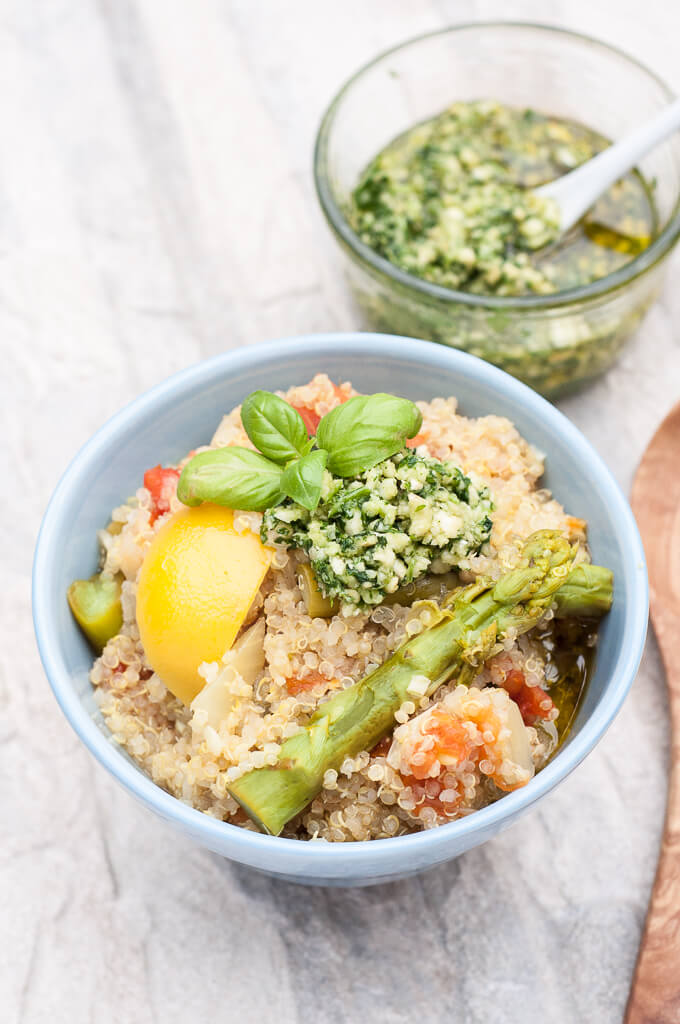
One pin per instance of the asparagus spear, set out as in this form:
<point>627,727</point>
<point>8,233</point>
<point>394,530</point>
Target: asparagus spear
<point>586,594</point>
<point>95,604</point>
<point>472,619</point>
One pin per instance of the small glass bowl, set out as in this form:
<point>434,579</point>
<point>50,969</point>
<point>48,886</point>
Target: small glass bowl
<point>554,343</point>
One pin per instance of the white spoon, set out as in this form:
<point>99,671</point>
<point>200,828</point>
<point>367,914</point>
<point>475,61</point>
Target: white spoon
<point>577,191</point>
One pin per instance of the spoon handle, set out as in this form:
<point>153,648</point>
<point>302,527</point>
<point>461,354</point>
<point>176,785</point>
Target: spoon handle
<point>577,191</point>
<point>655,993</point>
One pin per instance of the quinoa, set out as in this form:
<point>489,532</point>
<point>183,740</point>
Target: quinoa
<point>376,794</point>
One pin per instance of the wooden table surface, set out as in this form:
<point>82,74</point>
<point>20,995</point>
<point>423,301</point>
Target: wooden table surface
<point>156,207</point>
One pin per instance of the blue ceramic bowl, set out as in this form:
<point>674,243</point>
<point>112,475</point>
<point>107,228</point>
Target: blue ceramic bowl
<point>181,413</point>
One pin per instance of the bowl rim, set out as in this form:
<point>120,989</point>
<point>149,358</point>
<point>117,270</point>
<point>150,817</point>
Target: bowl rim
<point>250,847</point>
<point>383,268</point>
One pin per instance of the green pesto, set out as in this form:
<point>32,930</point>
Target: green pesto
<point>384,528</point>
<point>452,201</point>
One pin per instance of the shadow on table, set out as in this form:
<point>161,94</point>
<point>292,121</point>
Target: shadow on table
<point>366,953</point>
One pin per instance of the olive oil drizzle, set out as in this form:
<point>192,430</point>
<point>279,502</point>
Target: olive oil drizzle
<point>569,648</point>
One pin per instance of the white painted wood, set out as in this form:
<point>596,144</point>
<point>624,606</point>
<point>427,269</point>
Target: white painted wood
<point>156,206</point>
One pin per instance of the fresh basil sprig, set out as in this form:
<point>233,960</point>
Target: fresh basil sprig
<point>302,480</point>
<point>275,427</point>
<point>366,430</point>
<point>233,476</point>
<point>350,439</point>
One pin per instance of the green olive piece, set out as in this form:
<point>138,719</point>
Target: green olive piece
<point>95,604</point>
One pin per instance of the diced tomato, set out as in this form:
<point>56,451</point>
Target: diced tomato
<point>535,703</point>
<point>296,685</point>
<point>311,418</point>
<point>514,683</point>
<point>413,442</point>
<point>451,743</point>
<point>529,699</point>
<point>161,483</point>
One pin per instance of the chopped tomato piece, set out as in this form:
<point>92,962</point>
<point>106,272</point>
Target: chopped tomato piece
<point>413,442</point>
<point>296,685</point>
<point>514,682</point>
<point>161,483</point>
<point>532,701</point>
<point>451,743</point>
<point>311,418</point>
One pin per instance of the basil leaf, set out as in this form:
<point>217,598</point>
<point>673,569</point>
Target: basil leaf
<point>233,476</point>
<point>363,431</point>
<point>274,427</point>
<point>302,480</point>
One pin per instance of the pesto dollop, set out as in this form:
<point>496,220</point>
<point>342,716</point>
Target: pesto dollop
<point>386,527</point>
<point>453,201</point>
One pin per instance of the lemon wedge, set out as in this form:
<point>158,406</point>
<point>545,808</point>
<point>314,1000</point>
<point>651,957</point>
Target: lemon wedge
<point>197,582</point>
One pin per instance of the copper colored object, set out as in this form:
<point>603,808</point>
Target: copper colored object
<point>655,993</point>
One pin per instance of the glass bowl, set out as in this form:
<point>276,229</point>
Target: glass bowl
<point>554,343</point>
